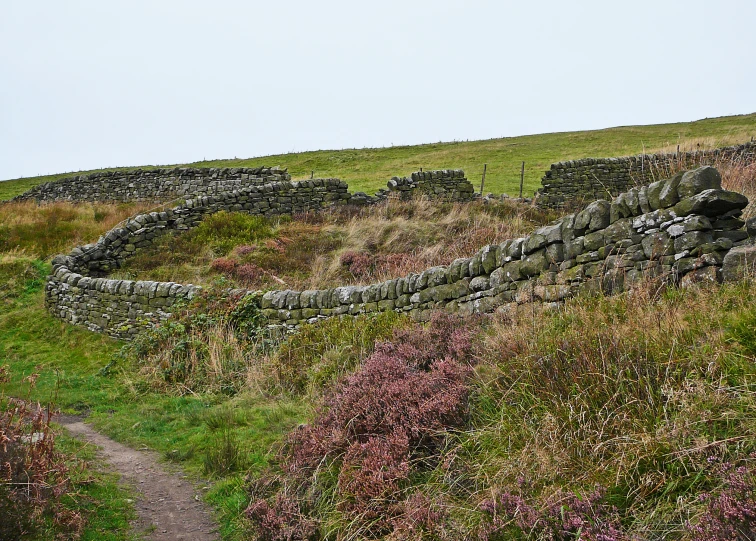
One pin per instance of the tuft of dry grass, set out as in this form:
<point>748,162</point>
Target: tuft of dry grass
<point>310,250</point>
<point>42,231</point>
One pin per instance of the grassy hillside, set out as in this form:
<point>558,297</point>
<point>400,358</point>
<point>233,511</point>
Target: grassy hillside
<point>369,169</point>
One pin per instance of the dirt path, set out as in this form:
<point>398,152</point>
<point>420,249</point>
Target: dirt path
<point>169,508</point>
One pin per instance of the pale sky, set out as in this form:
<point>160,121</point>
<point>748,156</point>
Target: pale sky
<point>105,83</point>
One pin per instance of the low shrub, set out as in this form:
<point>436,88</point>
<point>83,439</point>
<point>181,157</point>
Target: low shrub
<point>564,516</point>
<point>731,511</point>
<point>378,427</point>
<point>209,344</point>
<point>33,474</point>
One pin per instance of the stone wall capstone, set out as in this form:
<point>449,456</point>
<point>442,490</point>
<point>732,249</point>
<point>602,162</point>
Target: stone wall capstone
<point>589,179</point>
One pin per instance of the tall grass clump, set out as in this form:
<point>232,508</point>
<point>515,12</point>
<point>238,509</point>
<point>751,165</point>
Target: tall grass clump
<point>42,231</point>
<point>209,345</point>
<point>622,400</point>
<point>318,355</point>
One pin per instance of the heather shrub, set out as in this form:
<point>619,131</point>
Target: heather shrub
<point>33,474</point>
<point>730,512</point>
<point>376,429</point>
<point>248,274</point>
<point>224,265</point>
<point>562,517</point>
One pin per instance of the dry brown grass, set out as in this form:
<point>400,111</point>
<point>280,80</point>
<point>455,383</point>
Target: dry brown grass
<point>308,251</point>
<point>43,231</point>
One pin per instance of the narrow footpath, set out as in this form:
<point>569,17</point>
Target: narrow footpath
<point>168,506</point>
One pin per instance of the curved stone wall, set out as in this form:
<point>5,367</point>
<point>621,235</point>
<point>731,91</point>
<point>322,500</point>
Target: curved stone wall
<point>79,292</point>
<point>680,229</point>
<point>589,179</point>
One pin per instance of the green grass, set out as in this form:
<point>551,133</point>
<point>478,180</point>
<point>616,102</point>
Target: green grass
<point>70,362</point>
<point>107,505</point>
<point>369,169</point>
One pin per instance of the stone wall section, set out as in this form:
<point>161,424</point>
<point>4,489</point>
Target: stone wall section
<point>589,179</point>
<point>168,184</point>
<point>79,292</point>
<point>152,184</point>
<point>679,229</point>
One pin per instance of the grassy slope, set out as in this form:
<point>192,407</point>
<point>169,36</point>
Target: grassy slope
<point>70,362</point>
<point>369,169</point>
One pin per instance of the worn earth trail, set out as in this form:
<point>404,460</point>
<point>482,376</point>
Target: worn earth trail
<point>168,506</point>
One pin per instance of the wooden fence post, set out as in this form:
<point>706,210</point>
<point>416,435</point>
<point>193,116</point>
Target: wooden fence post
<point>483,179</point>
<point>522,178</point>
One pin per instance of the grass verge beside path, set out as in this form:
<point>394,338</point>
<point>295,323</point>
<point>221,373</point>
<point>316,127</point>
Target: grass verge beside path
<point>369,169</point>
<point>190,430</point>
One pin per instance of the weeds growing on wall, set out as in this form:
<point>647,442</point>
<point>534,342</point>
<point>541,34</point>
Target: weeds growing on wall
<point>210,344</point>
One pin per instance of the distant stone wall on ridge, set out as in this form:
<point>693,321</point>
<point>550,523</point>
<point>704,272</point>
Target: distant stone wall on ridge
<point>160,184</point>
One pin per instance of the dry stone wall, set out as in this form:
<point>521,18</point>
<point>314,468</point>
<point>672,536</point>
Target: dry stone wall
<point>678,229</point>
<point>152,184</point>
<point>590,179</point>
<point>79,292</point>
<point>681,229</point>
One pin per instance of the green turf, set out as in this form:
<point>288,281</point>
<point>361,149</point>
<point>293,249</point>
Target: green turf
<point>368,169</point>
<point>76,374</point>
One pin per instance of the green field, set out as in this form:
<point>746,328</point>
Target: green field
<point>368,169</point>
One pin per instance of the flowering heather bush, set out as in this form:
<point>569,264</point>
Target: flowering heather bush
<point>562,517</point>
<point>731,514</point>
<point>244,249</point>
<point>281,521</point>
<point>248,274</point>
<point>360,265</point>
<point>224,265</point>
<point>364,266</point>
<point>383,422</point>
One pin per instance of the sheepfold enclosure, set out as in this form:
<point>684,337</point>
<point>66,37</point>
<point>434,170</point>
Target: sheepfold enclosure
<point>681,228</point>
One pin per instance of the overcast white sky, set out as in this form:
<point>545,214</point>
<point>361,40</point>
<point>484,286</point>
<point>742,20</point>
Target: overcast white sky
<point>88,84</point>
